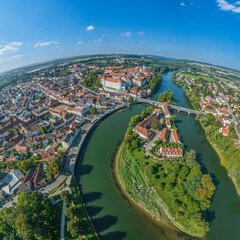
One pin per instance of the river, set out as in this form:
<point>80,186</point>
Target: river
<point>117,218</point>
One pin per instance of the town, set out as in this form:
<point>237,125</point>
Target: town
<point>46,119</point>
<point>218,98</point>
<point>42,118</point>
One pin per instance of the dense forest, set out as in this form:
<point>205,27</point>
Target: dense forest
<point>33,217</point>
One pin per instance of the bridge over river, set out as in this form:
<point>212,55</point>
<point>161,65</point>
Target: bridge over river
<point>173,107</point>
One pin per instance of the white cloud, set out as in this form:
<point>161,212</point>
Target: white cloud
<point>15,44</point>
<point>226,6</point>
<point>8,49</point>
<point>183,4</point>
<point>10,58</point>
<point>90,28</point>
<point>43,44</point>
<point>98,40</point>
<point>141,33</point>
<point>79,42</point>
<point>105,35</point>
<point>126,34</point>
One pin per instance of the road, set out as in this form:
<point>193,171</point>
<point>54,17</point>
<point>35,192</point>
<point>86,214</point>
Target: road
<point>63,222</point>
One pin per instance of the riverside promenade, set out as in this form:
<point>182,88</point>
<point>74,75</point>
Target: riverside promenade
<point>84,136</point>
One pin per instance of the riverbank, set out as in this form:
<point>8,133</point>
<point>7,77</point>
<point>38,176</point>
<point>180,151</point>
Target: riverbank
<point>215,147</point>
<point>163,217</point>
<point>222,160</point>
<point>143,193</point>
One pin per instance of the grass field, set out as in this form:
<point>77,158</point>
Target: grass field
<point>208,79</point>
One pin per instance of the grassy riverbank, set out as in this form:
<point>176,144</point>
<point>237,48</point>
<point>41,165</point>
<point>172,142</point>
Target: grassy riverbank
<point>228,153</point>
<point>224,158</point>
<point>175,186</point>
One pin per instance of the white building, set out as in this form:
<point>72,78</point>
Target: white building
<point>13,180</point>
<point>112,83</point>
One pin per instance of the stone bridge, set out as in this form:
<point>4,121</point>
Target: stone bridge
<point>173,107</point>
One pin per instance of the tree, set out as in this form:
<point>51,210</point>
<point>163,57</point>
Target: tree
<point>24,165</point>
<point>156,124</point>
<point>7,224</point>
<point>207,188</point>
<point>74,228</point>
<point>93,110</point>
<point>32,218</point>
<point>43,130</point>
<point>60,154</point>
<point>54,167</point>
<point>16,131</point>
<point>51,128</point>
<point>173,117</point>
<point>66,197</point>
<point>130,99</point>
<point>190,157</point>
<point>166,97</point>
<point>70,212</point>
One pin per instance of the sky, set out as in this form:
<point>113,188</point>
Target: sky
<point>33,31</point>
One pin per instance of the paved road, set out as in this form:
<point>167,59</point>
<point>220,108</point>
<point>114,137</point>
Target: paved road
<point>63,222</point>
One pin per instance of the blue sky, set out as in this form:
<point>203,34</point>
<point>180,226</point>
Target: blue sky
<point>34,31</point>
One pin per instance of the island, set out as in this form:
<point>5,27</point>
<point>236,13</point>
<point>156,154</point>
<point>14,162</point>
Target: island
<point>155,171</point>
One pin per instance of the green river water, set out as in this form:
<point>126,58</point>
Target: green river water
<point>114,216</point>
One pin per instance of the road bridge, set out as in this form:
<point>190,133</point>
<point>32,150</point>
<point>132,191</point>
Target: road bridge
<point>173,107</point>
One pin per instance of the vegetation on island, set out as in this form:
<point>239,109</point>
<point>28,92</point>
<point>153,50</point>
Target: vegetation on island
<point>166,97</point>
<point>175,185</point>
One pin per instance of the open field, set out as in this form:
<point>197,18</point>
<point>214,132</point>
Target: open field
<point>209,79</point>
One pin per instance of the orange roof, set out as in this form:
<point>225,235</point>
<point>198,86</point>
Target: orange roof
<point>164,135</point>
<point>113,79</point>
<point>225,131</point>
<point>175,136</point>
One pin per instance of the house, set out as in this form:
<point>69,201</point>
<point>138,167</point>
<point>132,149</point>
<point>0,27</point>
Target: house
<point>175,137</point>
<point>38,174</point>
<point>168,123</point>
<point>212,111</point>
<point>224,131</point>
<point>14,180</point>
<point>171,152</point>
<point>164,135</point>
<point>143,127</point>
<point>226,121</point>
<point>25,187</point>
<point>157,110</point>
<point>47,154</point>
<point>112,83</point>
<point>67,142</point>
<point>21,148</point>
